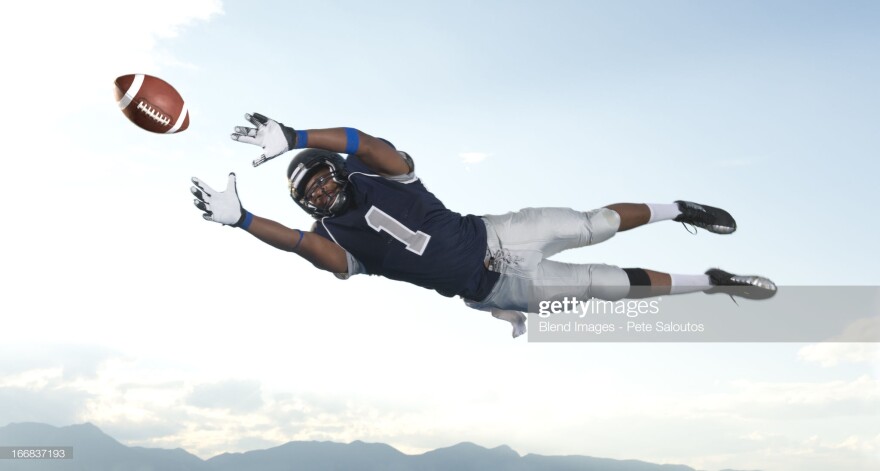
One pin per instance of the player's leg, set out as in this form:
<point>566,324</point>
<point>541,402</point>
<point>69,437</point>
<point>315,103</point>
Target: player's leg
<point>710,218</point>
<point>537,233</point>
<point>556,280</point>
<point>543,232</point>
<point>525,290</point>
<point>631,215</point>
<point>647,283</point>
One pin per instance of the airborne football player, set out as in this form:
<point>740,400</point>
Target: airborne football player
<point>374,216</point>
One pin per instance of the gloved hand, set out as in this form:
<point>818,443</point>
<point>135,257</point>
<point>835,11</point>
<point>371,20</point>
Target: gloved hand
<point>274,137</point>
<point>219,206</point>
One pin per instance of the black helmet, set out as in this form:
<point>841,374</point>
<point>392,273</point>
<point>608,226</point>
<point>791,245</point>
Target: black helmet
<point>303,166</point>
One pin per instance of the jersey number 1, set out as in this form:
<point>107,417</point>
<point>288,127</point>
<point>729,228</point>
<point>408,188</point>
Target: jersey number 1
<point>415,242</point>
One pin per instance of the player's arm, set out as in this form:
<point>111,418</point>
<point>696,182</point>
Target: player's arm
<point>375,153</point>
<point>225,207</point>
<point>275,138</point>
<point>322,253</point>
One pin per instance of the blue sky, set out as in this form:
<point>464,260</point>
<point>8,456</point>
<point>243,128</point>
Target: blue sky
<point>129,311</point>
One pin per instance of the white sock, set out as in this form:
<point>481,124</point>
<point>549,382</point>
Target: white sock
<point>689,283</point>
<point>516,318</point>
<point>662,212</point>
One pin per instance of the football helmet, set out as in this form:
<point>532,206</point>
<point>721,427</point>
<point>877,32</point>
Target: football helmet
<point>305,165</point>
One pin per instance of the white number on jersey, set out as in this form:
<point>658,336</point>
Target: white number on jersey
<point>379,220</point>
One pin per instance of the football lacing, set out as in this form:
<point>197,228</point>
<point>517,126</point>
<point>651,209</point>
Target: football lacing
<point>154,113</point>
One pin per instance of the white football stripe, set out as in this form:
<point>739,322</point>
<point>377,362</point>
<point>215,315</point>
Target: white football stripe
<point>132,91</point>
<point>180,118</point>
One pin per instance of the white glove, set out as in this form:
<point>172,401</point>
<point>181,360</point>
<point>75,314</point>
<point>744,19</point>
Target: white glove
<point>274,137</point>
<point>219,206</point>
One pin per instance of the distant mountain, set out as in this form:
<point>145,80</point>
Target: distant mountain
<point>93,450</point>
<point>314,456</point>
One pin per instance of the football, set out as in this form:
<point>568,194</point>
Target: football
<point>151,103</point>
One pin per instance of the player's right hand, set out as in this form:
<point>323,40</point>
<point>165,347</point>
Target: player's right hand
<point>219,206</point>
<point>275,138</point>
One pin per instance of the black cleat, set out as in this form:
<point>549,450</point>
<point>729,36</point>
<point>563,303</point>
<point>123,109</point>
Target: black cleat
<point>710,218</point>
<point>746,286</point>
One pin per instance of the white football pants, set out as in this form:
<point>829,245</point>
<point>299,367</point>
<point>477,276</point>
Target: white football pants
<point>520,243</point>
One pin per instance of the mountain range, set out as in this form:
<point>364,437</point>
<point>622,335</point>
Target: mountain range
<point>93,450</point>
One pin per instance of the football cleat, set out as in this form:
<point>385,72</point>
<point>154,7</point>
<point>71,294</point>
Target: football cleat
<point>746,286</point>
<point>710,218</point>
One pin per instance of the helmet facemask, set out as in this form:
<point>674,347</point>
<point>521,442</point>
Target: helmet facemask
<point>303,196</point>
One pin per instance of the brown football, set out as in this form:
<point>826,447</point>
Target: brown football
<point>151,103</point>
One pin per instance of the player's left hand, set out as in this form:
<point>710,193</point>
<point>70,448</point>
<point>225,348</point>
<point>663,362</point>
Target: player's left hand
<point>219,206</point>
<point>274,137</point>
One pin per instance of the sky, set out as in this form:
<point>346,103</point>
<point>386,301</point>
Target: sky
<point>124,308</point>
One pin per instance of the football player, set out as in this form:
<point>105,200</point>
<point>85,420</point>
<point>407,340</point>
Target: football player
<point>374,216</point>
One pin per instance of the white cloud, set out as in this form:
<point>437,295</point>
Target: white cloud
<point>470,158</point>
<point>748,400</point>
<point>865,329</point>
<point>145,404</point>
<point>84,47</point>
<point>811,452</point>
<point>55,405</point>
<point>72,360</point>
<point>61,85</point>
<point>833,354</point>
<point>794,400</point>
<point>236,396</point>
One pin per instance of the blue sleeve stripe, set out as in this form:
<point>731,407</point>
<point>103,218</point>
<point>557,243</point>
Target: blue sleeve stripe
<point>301,235</point>
<point>248,218</point>
<point>352,141</point>
<point>302,139</point>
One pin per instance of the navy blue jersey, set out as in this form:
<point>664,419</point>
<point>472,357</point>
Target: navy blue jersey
<point>400,230</point>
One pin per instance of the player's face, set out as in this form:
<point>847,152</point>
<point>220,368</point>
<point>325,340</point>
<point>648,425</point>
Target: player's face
<point>321,189</point>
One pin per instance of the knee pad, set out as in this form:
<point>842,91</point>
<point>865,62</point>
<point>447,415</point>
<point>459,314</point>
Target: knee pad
<point>608,282</point>
<point>637,277</point>
<point>603,223</point>
<point>640,284</point>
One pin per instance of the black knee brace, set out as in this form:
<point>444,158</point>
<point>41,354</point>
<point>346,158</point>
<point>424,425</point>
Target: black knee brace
<point>637,277</point>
